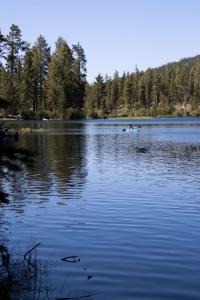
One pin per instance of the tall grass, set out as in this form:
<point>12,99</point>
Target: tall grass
<point>23,277</point>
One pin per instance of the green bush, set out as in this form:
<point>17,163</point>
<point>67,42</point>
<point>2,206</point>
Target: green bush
<point>178,113</point>
<point>100,114</point>
<point>195,113</point>
<point>39,115</point>
<point>74,114</point>
<point>161,112</point>
<point>42,114</point>
<point>142,112</point>
<point>28,115</point>
<point>90,113</point>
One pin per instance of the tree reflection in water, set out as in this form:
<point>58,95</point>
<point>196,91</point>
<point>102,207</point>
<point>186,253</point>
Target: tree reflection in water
<point>19,276</point>
<point>60,162</point>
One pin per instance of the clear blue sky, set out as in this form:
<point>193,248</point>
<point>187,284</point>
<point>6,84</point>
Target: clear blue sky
<point>115,34</point>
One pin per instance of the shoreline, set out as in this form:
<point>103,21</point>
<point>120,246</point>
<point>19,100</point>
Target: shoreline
<point>110,119</point>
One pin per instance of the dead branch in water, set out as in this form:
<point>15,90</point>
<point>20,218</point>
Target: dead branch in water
<point>28,253</point>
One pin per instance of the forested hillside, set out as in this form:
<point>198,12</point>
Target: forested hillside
<point>173,89</point>
<point>40,84</point>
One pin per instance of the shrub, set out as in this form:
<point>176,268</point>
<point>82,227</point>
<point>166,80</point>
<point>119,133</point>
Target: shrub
<point>28,115</point>
<point>195,113</point>
<point>74,114</point>
<point>42,114</point>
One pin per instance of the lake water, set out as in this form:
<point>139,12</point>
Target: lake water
<point>126,205</point>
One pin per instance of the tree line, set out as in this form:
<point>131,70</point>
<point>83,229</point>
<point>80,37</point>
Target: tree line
<point>41,84</point>
<point>173,89</point>
<point>37,83</point>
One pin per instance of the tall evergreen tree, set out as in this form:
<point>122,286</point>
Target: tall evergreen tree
<point>128,94</point>
<point>2,47</point>
<point>79,75</point>
<point>14,48</point>
<point>3,84</point>
<point>108,84</point>
<point>155,91</point>
<point>197,84</point>
<point>27,84</point>
<point>99,88</point>
<point>141,93</point>
<point>2,70</point>
<point>41,58</point>
<point>115,91</point>
<point>60,78</point>
<point>90,103</point>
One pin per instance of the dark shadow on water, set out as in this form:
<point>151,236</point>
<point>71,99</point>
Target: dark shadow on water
<point>23,276</point>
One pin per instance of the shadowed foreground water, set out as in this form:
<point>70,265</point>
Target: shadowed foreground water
<point>127,206</point>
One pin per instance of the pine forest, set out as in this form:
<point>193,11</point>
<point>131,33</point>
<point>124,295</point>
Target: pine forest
<point>37,83</point>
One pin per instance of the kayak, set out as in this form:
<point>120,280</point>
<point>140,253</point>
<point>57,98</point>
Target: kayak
<point>131,130</point>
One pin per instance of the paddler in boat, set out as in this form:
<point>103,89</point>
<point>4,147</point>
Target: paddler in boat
<point>131,128</point>
<point>134,128</point>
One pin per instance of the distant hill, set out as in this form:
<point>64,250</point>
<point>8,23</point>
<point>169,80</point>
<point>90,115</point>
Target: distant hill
<point>171,89</point>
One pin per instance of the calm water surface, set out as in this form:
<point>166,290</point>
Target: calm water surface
<point>127,205</point>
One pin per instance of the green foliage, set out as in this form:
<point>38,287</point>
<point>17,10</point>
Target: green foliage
<point>14,47</point>
<point>100,114</point>
<point>90,113</point>
<point>40,60</point>
<point>27,83</point>
<point>28,115</point>
<point>195,113</point>
<point>2,46</point>
<point>95,105</point>
<point>40,85</point>
<point>170,89</point>
<point>60,78</point>
<point>79,76</point>
<point>42,114</point>
<point>74,114</point>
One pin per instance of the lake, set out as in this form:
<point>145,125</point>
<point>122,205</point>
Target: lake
<point>127,206</point>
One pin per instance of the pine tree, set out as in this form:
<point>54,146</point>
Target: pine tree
<point>179,84</point>
<point>171,87</point>
<point>99,88</point>
<point>41,58</point>
<point>79,75</point>
<point>2,70</point>
<point>148,82</point>
<point>27,84</point>
<point>128,94</point>
<point>155,91</point>
<point>89,105</point>
<point>3,84</point>
<point>115,91</point>
<point>108,88</point>
<point>193,101</point>
<point>60,78</point>
<point>141,93</point>
<point>14,48</point>
<point>197,84</point>
<point>2,47</point>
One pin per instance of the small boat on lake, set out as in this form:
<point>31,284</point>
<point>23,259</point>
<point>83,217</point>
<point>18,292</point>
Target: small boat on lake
<point>132,130</point>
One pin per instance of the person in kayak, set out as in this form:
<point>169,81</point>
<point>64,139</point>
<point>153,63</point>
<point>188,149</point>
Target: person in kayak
<point>131,128</point>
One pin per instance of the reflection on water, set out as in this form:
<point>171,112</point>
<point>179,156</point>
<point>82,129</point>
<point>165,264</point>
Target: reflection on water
<point>124,209</point>
<point>60,164</point>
